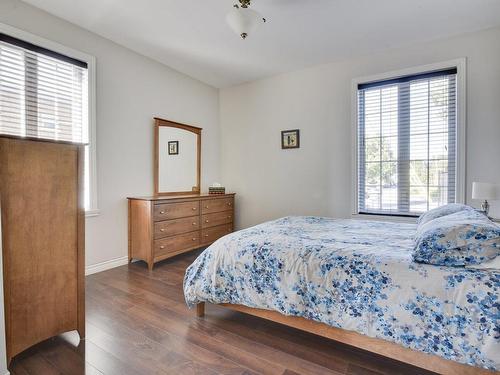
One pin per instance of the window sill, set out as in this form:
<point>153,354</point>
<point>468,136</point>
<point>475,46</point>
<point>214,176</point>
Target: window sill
<point>395,218</point>
<point>92,213</point>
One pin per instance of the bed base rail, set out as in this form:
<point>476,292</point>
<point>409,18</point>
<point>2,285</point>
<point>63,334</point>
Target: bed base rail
<point>374,345</point>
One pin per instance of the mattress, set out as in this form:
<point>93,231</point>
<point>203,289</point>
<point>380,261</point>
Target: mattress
<point>356,275</point>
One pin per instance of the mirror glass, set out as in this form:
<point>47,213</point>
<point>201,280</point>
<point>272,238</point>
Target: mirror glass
<point>177,158</point>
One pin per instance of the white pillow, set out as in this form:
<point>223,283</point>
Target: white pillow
<point>441,211</point>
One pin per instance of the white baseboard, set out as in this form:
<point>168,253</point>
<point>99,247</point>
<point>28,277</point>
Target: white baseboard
<point>106,265</point>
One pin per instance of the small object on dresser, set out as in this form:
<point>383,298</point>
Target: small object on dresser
<point>216,190</point>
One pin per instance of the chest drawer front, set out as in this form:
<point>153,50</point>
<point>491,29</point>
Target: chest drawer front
<point>175,210</point>
<point>177,243</point>
<point>176,226</point>
<point>216,205</point>
<point>215,219</point>
<point>214,233</point>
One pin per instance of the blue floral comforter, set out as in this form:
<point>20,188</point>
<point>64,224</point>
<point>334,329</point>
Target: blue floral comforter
<point>356,275</point>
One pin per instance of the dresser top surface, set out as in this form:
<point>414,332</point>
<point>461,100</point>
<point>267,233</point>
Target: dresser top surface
<point>174,197</point>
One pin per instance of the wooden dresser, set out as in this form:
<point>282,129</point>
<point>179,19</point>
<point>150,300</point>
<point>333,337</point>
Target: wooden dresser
<point>43,232</point>
<point>161,227</point>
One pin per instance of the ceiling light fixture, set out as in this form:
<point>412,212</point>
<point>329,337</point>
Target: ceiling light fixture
<point>244,20</point>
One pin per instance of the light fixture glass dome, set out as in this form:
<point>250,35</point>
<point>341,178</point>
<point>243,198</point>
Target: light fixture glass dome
<point>244,20</point>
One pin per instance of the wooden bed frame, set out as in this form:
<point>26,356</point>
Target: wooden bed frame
<point>374,345</point>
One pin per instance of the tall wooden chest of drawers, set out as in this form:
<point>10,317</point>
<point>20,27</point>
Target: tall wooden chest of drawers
<point>162,227</point>
<point>42,240</point>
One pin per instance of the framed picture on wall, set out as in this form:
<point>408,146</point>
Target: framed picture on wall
<point>290,139</point>
<point>173,147</point>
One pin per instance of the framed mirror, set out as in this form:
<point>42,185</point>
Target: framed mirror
<point>177,158</point>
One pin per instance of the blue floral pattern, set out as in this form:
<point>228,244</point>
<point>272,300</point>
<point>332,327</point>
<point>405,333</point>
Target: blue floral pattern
<point>463,238</point>
<point>356,275</point>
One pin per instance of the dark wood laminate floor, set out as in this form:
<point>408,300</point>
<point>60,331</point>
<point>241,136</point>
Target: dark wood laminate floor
<point>138,323</point>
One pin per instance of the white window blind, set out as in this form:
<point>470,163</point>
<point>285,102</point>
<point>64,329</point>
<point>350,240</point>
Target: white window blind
<point>407,143</point>
<point>43,94</point>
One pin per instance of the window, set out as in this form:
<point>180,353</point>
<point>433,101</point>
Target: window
<point>44,94</point>
<point>407,143</point>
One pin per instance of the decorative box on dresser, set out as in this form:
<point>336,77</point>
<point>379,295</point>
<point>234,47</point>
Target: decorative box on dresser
<point>161,227</point>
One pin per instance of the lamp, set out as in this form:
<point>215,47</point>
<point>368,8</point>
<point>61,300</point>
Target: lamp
<point>486,191</point>
<point>244,20</point>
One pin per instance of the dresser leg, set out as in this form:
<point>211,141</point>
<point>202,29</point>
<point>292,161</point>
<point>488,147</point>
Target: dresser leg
<point>150,266</point>
<point>200,310</point>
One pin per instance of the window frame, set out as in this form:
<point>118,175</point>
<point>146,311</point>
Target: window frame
<point>93,210</point>
<point>460,162</point>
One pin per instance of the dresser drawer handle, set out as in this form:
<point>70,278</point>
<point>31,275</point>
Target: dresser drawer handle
<point>206,221</point>
<point>162,247</point>
<point>206,235</point>
<point>194,208</point>
<point>163,212</point>
<point>194,239</point>
<point>229,217</point>
<point>206,206</point>
<point>194,223</point>
<point>228,203</point>
<point>162,230</point>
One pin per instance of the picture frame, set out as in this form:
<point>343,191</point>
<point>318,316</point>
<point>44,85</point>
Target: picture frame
<point>290,139</point>
<point>173,147</point>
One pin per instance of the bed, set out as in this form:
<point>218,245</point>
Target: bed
<point>355,281</point>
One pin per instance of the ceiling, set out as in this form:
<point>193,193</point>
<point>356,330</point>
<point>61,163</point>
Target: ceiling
<point>192,37</point>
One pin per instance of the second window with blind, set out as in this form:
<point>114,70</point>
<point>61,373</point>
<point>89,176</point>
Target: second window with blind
<point>406,142</point>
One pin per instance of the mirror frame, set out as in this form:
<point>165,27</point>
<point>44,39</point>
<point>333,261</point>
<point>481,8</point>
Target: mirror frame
<point>162,122</point>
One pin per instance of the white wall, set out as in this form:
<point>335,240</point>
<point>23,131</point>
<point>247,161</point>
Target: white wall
<point>316,179</point>
<point>131,90</point>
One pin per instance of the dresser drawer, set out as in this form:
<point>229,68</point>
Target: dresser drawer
<point>176,226</point>
<point>176,210</point>
<point>211,234</point>
<point>177,243</point>
<point>216,205</point>
<point>215,219</point>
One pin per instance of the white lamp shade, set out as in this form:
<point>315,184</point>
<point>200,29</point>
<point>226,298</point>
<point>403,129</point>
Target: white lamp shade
<point>483,190</point>
<point>243,20</point>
